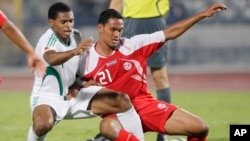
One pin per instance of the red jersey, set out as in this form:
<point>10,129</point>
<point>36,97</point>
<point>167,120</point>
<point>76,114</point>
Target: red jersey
<point>3,18</point>
<point>125,69</point>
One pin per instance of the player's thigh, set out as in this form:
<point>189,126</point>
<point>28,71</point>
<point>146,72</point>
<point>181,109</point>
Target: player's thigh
<point>46,107</point>
<point>183,122</point>
<point>108,101</point>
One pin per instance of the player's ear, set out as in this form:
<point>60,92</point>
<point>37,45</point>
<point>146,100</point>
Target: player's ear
<point>100,27</point>
<point>51,22</point>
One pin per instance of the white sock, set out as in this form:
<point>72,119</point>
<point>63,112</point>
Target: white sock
<point>131,122</point>
<point>33,137</point>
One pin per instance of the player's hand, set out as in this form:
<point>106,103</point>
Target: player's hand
<point>90,83</point>
<point>214,9</point>
<point>36,64</point>
<point>83,46</point>
<point>73,91</point>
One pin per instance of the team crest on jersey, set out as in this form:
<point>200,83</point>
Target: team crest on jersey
<point>162,106</point>
<point>110,63</point>
<point>127,65</point>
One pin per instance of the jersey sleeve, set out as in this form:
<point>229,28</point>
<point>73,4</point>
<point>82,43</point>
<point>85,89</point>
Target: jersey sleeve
<point>80,69</point>
<point>145,44</point>
<point>81,65</point>
<point>3,18</point>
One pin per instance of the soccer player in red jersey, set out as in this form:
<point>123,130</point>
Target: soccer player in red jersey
<point>50,99</point>
<point>17,37</point>
<point>120,64</point>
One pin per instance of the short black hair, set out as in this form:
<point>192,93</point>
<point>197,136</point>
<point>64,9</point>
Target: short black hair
<point>107,14</point>
<point>56,8</point>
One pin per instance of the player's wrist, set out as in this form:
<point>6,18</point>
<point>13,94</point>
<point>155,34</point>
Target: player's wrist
<point>74,53</point>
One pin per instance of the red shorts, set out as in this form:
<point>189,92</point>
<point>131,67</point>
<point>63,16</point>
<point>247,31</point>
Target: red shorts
<point>153,113</point>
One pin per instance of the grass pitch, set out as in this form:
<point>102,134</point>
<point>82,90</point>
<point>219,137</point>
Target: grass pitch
<point>218,109</point>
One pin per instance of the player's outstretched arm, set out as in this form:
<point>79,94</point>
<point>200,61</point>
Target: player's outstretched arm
<point>180,27</point>
<point>17,37</point>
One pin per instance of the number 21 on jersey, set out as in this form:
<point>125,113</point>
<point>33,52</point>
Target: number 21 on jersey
<point>104,77</point>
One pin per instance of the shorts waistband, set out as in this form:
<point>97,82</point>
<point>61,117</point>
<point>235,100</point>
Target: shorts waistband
<point>65,98</point>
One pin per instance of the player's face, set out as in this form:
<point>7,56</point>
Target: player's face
<point>111,32</point>
<point>63,25</point>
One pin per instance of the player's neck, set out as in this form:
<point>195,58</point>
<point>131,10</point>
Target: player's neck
<point>103,49</point>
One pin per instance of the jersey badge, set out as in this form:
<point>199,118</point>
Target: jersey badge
<point>127,65</point>
<point>162,106</point>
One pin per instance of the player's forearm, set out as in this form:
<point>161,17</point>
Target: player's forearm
<point>180,27</point>
<point>117,5</point>
<point>16,36</point>
<point>54,58</point>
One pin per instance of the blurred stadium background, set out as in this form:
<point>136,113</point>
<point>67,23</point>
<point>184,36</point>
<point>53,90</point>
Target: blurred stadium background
<point>216,45</point>
<point>213,56</point>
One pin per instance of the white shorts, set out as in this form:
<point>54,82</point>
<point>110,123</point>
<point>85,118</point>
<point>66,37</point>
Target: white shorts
<point>74,108</point>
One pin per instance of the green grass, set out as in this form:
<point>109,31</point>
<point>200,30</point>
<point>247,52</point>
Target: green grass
<point>218,109</point>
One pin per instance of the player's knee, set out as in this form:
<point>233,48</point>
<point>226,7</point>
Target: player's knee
<point>202,129</point>
<point>110,128</point>
<point>43,127</point>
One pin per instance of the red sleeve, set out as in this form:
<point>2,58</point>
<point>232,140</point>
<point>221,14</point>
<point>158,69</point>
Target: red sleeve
<point>3,18</point>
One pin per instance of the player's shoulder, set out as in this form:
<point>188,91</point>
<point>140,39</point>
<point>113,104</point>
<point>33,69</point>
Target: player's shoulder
<point>46,34</point>
<point>49,36</point>
<point>49,33</point>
